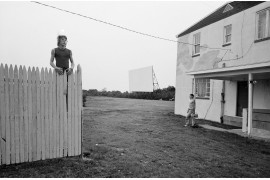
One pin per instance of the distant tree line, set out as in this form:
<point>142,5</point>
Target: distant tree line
<point>159,94</point>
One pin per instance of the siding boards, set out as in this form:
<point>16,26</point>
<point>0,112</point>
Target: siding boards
<point>261,119</point>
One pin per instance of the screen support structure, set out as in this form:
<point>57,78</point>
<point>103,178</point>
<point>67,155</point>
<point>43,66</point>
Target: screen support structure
<point>155,82</point>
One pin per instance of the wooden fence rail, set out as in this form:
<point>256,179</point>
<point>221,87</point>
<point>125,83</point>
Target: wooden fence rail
<point>40,114</point>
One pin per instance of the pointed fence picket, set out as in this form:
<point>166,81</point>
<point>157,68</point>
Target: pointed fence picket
<point>40,114</point>
<point>7,117</point>
<point>21,119</point>
<point>25,116</point>
<point>12,114</point>
<point>54,115</point>
<point>16,104</point>
<point>30,119</point>
<point>2,115</point>
<point>34,116</point>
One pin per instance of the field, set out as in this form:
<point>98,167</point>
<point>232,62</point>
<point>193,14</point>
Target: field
<point>143,138</point>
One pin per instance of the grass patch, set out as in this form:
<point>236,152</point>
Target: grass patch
<point>139,138</point>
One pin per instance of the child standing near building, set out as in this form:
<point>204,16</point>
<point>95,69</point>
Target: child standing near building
<point>191,111</point>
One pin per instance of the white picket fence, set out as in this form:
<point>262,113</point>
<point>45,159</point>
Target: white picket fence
<point>40,114</point>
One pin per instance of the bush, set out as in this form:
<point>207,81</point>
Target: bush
<point>164,94</point>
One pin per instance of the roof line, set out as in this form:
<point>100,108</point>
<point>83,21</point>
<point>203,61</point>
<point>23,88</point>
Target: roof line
<point>265,64</point>
<point>203,18</point>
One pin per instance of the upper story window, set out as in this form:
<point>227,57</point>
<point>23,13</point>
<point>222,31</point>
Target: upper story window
<point>227,34</point>
<point>196,42</point>
<point>263,24</point>
<point>202,88</point>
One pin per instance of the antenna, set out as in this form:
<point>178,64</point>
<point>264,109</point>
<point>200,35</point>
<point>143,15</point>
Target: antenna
<point>155,82</point>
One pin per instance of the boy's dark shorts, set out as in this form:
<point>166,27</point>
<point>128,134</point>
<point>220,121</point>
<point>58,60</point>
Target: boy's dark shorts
<point>64,69</point>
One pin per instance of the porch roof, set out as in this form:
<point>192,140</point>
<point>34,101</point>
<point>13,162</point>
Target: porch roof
<point>236,73</point>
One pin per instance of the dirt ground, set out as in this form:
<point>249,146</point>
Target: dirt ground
<point>143,138</point>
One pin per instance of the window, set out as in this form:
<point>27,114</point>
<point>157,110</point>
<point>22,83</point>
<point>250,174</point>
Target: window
<point>202,88</point>
<point>227,8</point>
<point>227,34</point>
<point>263,24</point>
<point>196,42</point>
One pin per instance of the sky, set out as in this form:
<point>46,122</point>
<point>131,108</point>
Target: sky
<point>106,53</point>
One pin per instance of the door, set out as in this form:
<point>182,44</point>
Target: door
<point>242,97</point>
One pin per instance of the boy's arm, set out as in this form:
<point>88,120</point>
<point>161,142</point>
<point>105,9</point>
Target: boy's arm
<point>72,64</point>
<point>71,60</point>
<point>59,70</point>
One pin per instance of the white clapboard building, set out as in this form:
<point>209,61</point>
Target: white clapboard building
<point>225,62</point>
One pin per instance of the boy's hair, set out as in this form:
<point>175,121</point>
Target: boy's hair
<point>192,95</point>
<point>58,39</point>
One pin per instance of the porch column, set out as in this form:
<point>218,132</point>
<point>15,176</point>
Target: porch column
<point>250,102</point>
<point>193,86</point>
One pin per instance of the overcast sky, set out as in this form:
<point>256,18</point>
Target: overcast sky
<point>28,34</point>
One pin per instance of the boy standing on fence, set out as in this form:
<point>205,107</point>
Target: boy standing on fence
<point>191,111</point>
<point>62,55</point>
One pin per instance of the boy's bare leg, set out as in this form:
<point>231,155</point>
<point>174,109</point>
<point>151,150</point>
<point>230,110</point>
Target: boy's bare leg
<point>188,118</point>
<point>192,121</point>
<point>187,122</point>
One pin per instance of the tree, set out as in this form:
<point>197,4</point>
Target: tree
<point>164,94</point>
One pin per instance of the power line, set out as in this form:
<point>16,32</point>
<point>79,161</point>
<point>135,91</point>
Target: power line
<point>121,27</point>
<point>242,55</point>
